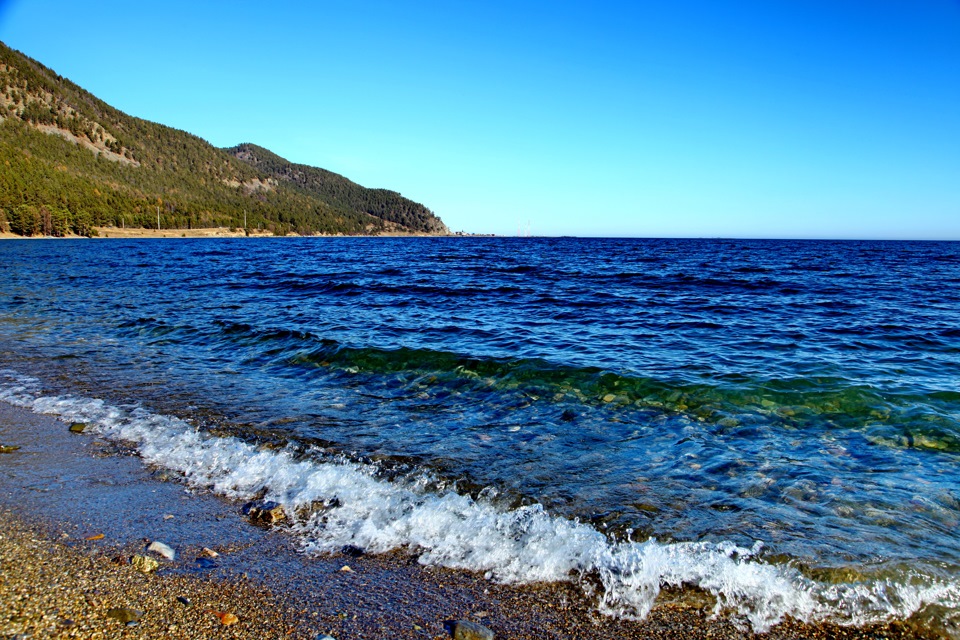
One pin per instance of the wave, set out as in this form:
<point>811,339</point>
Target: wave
<point>894,418</point>
<point>349,503</point>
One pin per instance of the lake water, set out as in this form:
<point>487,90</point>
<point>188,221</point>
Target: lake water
<point>776,423</point>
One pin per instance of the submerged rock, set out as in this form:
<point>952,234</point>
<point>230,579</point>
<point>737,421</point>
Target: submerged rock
<point>162,549</point>
<point>264,512</point>
<point>466,630</point>
<point>125,615</point>
<point>144,563</point>
<point>8,448</point>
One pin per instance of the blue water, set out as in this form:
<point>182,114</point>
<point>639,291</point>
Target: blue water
<point>803,394</point>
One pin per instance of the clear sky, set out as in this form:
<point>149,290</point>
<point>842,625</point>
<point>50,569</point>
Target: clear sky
<point>702,118</point>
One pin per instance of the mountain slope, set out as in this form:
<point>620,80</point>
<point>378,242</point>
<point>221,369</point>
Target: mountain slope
<point>339,191</point>
<point>71,162</point>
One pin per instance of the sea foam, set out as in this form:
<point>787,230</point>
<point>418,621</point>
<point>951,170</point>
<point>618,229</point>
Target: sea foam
<point>445,528</point>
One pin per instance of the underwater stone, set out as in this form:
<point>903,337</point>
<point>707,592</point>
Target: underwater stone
<point>466,630</point>
<point>125,615</point>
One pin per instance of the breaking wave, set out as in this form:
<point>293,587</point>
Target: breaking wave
<point>350,503</point>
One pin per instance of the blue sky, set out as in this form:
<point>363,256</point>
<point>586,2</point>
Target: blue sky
<point>689,118</point>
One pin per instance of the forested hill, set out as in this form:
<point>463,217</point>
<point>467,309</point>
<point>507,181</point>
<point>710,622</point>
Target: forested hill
<point>69,162</point>
<point>339,191</point>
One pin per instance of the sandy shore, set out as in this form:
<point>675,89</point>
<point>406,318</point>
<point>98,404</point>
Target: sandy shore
<point>74,509</point>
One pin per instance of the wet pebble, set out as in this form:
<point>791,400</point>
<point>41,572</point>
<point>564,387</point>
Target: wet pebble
<point>264,512</point>
<point>144,563</point>
<point>162,549</point>
<point>226,618</point>
<point>78,427</point>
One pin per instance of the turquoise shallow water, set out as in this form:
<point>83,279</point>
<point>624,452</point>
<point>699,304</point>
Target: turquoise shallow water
<point>802,394</point>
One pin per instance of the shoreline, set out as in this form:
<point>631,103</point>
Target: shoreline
<point>112,233</point>
<point>59,492</point>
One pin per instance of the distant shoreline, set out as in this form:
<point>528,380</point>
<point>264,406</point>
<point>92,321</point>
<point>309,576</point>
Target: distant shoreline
<point>217,232</point>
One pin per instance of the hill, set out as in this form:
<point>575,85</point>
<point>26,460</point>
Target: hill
<point>339,191</point>
<point>71,162</point>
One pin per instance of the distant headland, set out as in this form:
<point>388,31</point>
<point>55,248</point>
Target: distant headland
<point>74,165</point>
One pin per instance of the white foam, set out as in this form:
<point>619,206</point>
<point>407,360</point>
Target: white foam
<point>520,546</point>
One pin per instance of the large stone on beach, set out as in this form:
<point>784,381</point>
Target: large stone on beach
<point>264,512</point>
<point>466,630</point>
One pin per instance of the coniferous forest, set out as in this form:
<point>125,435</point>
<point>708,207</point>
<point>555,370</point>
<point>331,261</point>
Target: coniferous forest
<point>71,163</point>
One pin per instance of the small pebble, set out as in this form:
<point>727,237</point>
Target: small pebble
<point>226,618</point>
<point>183,600</point>
<point>346,569</point>
<point>210,553</point>
<point>78,427</point>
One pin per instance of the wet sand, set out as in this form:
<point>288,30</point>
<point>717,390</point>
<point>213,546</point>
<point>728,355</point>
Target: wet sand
<point>60,492</point>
